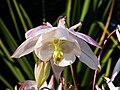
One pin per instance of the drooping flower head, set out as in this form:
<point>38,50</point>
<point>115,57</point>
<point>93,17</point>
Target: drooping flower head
<point>59,44</point>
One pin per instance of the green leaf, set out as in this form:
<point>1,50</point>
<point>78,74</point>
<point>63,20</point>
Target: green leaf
<point>14,20</point>
<point>20,15</point>
<point>85,9</point>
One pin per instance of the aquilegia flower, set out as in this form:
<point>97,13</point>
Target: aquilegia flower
<point>118,32</point>
<point>60,44</point>
<point>31,85</point>
<point>109,81</point>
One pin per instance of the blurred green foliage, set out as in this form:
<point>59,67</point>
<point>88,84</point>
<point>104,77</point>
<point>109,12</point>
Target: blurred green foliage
<point>19,16</point>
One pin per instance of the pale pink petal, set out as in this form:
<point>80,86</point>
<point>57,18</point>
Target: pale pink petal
<point>62,33</point>
<point>42,48</point>
<point>45,38</point>
<point>39,30</point>
<point>85,38</point>
<point>97,88</point>
<point>118,34</point>
<point>87,56</point>
<point>68,58</point>
<point>44,85</point>
<point>110,84</point>
<point>61,22</point>
<point>43,52</point>
<point>71,46</point>
<point>59,87</point>
<point>56,70</point>
<point>25,48</point>
<point>27,85</point>
<point>116,70</point>
<point>103,87</point>
<point>51,82</point>
<point>75,26</point>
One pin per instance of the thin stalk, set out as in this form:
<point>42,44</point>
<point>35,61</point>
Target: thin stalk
<point>101,40</point>
<point>73,77</point>
<point>99,57</point>
<point>107,24</point>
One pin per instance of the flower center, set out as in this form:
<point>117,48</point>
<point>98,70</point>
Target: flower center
<point>58,51</point>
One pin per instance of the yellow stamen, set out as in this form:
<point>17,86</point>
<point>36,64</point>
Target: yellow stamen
<point>57,53</point>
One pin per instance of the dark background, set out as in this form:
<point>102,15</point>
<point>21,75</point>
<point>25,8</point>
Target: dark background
<point>50,10</point>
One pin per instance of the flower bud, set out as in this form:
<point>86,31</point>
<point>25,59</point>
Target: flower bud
<point>42,72</point>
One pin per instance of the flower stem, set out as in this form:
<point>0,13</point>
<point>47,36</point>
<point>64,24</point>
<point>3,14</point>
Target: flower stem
<point>102,38</point>
<point>73,77</point>
<point>99,56</point>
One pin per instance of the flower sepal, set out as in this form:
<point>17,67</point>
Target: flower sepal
<point>42,72</point>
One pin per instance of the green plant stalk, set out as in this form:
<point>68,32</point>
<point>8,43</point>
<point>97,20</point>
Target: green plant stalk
<point>86,75</point>
<point>112,38</point>
<point>7,35</point>
<point>99,57</point>
<point>14,20</point>
<point>100,3</point>
<point>106,73</point>
<point>26,16</point>
<point>20,15</point>
<point>108,67</point>
<point>95,4</point>
<point>74,11</point>
<point>106,26</point>
<point>13,45</point>
<point>5,82</point>
<point>25,65</point>
<point>79,67</point>
<point>65,74</point>
<point>68,11</point>
<point>13,68</point>
<point>85,9</point>
<point>106,10</point>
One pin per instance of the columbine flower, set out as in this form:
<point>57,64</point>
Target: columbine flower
<point>118,32</point>
<point>110,84</point>
<point>116,70</point>
<point>59,44</point>
<point>110,81</point>
<point>97,88</point>
<point>31,85</point>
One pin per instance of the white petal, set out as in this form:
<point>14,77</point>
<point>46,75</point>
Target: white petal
<point>39,30</point>
<point>75,26</point>
<point>63,34</point>
<point>43,85</point>
<point>25,48</point>
<point>72,46</point>
<point>116,70</point>
<point>43,52</point>
<point>56,70</point>
<point>28,85</point>
<point>61,22</point>
<point>67,59</point>
<point>51,83</point>
<point>45,38</point>
<point>118,35</point>
<point>84,37</point>
<point>42,48</point>
<point>97,88</point>
<point>110,84</point>
<point>59,87</point>
<point>87,56</point>
<point>77,48</point>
